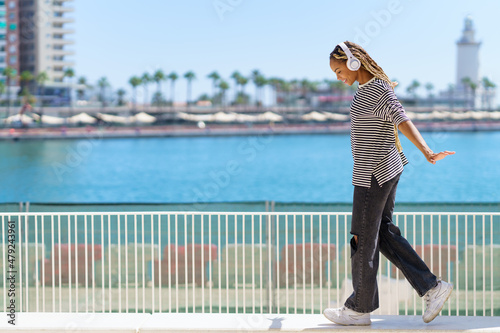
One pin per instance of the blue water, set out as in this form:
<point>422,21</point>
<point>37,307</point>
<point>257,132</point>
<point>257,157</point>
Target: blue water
<point>295,168</point>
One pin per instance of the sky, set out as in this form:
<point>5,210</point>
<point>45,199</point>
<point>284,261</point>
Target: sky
<point>289,39</point>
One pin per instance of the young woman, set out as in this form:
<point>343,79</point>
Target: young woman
<point>376,116</point>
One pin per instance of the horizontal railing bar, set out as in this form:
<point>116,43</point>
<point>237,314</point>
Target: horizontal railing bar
<point>239,213</point>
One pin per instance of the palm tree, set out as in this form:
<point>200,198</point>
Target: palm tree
<point>215,78</point>
<point>189,76</point>
<point>223,86</point>
<point>2,88</point>
<point>429,87</point>
<point>274,82</point>
<point>242,81</point>
<point>41,78</point>
<point>235,76</point>
<point>488,86</point>
<point>260,81</point>
<point>82,81</point>
<point>26,77</point>
<point>470,86</point>
<point>172,77</point>
<point>412,88</point>
<point>103,84</point>
<point>69,73</point>
<point>146,80</point>
<point>121,93</point>
<point>135,81</point>
<point>10,73</point>
<point>158,77</point>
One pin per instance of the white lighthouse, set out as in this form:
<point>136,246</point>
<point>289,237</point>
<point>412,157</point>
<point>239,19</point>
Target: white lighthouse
<point>468,64</point>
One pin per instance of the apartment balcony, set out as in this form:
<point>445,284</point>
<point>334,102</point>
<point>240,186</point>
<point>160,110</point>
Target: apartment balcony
<point>63,52</point>
<point>62,31</point>
<point>63,9</point>
<point>62,41</point>
<point>62,20</point>
<point>62,63</point>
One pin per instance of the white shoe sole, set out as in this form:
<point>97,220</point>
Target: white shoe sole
<point>340,322</point>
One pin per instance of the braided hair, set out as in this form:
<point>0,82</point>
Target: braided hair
<point>368,64</point>
<point>366,61</point>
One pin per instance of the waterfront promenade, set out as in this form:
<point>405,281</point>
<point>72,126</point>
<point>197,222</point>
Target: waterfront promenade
<point>205,322</point>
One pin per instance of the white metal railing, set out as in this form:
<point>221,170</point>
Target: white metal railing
<point>232,262</point>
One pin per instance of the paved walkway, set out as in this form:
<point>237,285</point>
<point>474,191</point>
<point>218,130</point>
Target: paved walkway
<point>182,322</point>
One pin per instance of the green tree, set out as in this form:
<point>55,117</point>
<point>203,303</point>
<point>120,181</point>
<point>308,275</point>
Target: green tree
<point>26,77</point>
<point>275,83</point>
<point>429,87</point>
<point>235,76</point>
<point>82,82</point>
<point>259,81</point>
<point>103,84</point>
<point>242,81</point>
<point>41,78</point>
<point>2,88</point>
<point>121,94</point>
<point>470,86</point>
<point>412,88</point>
<point>135,81</point>
<point>215,77</point>
<point>11,74</point>
<point>159,77</point>
<point>189,76</point>
<point>172,77</point>
<point>223,86</point>
<point>70,73</point>
<point>146,80</point>
<point>488,87</point>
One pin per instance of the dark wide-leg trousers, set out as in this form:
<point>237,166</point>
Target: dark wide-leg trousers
<point>372,223</point>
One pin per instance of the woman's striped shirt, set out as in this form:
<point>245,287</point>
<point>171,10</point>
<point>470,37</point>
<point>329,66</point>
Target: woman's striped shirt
<point>374,111</point>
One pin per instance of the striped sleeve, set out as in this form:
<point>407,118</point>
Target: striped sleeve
<point>389,108</point>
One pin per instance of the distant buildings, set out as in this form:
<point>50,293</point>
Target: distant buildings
<point>34,38</point>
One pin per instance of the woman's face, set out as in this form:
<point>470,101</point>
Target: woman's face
<point>343,73</point>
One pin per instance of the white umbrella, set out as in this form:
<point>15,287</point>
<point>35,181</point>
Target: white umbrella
<point>244,117</point>
<point>195,117</point>
<point>143,117</point>
<point>83,118</point>
<point>50,120</point>
<point>336,116</point>
<point>224,117</point>
<point>109,118</point>
<point>269,116</point>
<point>18,118</point>
<point>495,115</point>
<point>314,115</point>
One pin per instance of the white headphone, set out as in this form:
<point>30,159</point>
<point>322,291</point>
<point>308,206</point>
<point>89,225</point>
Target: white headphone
<point>352,62</point>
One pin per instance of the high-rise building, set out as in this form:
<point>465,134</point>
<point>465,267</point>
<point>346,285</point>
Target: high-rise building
<point>9,38</point>
<point>44,39</point>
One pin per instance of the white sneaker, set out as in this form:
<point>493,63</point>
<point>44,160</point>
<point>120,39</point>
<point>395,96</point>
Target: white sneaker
<point>435,299</point>
<point>346,316</point>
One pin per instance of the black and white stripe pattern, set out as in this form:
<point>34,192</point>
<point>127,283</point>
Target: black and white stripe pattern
<point>374,111</point>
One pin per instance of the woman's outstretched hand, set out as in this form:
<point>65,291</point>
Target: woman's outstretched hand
<point>433,158</point>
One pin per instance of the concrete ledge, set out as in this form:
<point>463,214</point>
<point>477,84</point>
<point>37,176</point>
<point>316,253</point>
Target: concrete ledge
<point>182,322</point>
